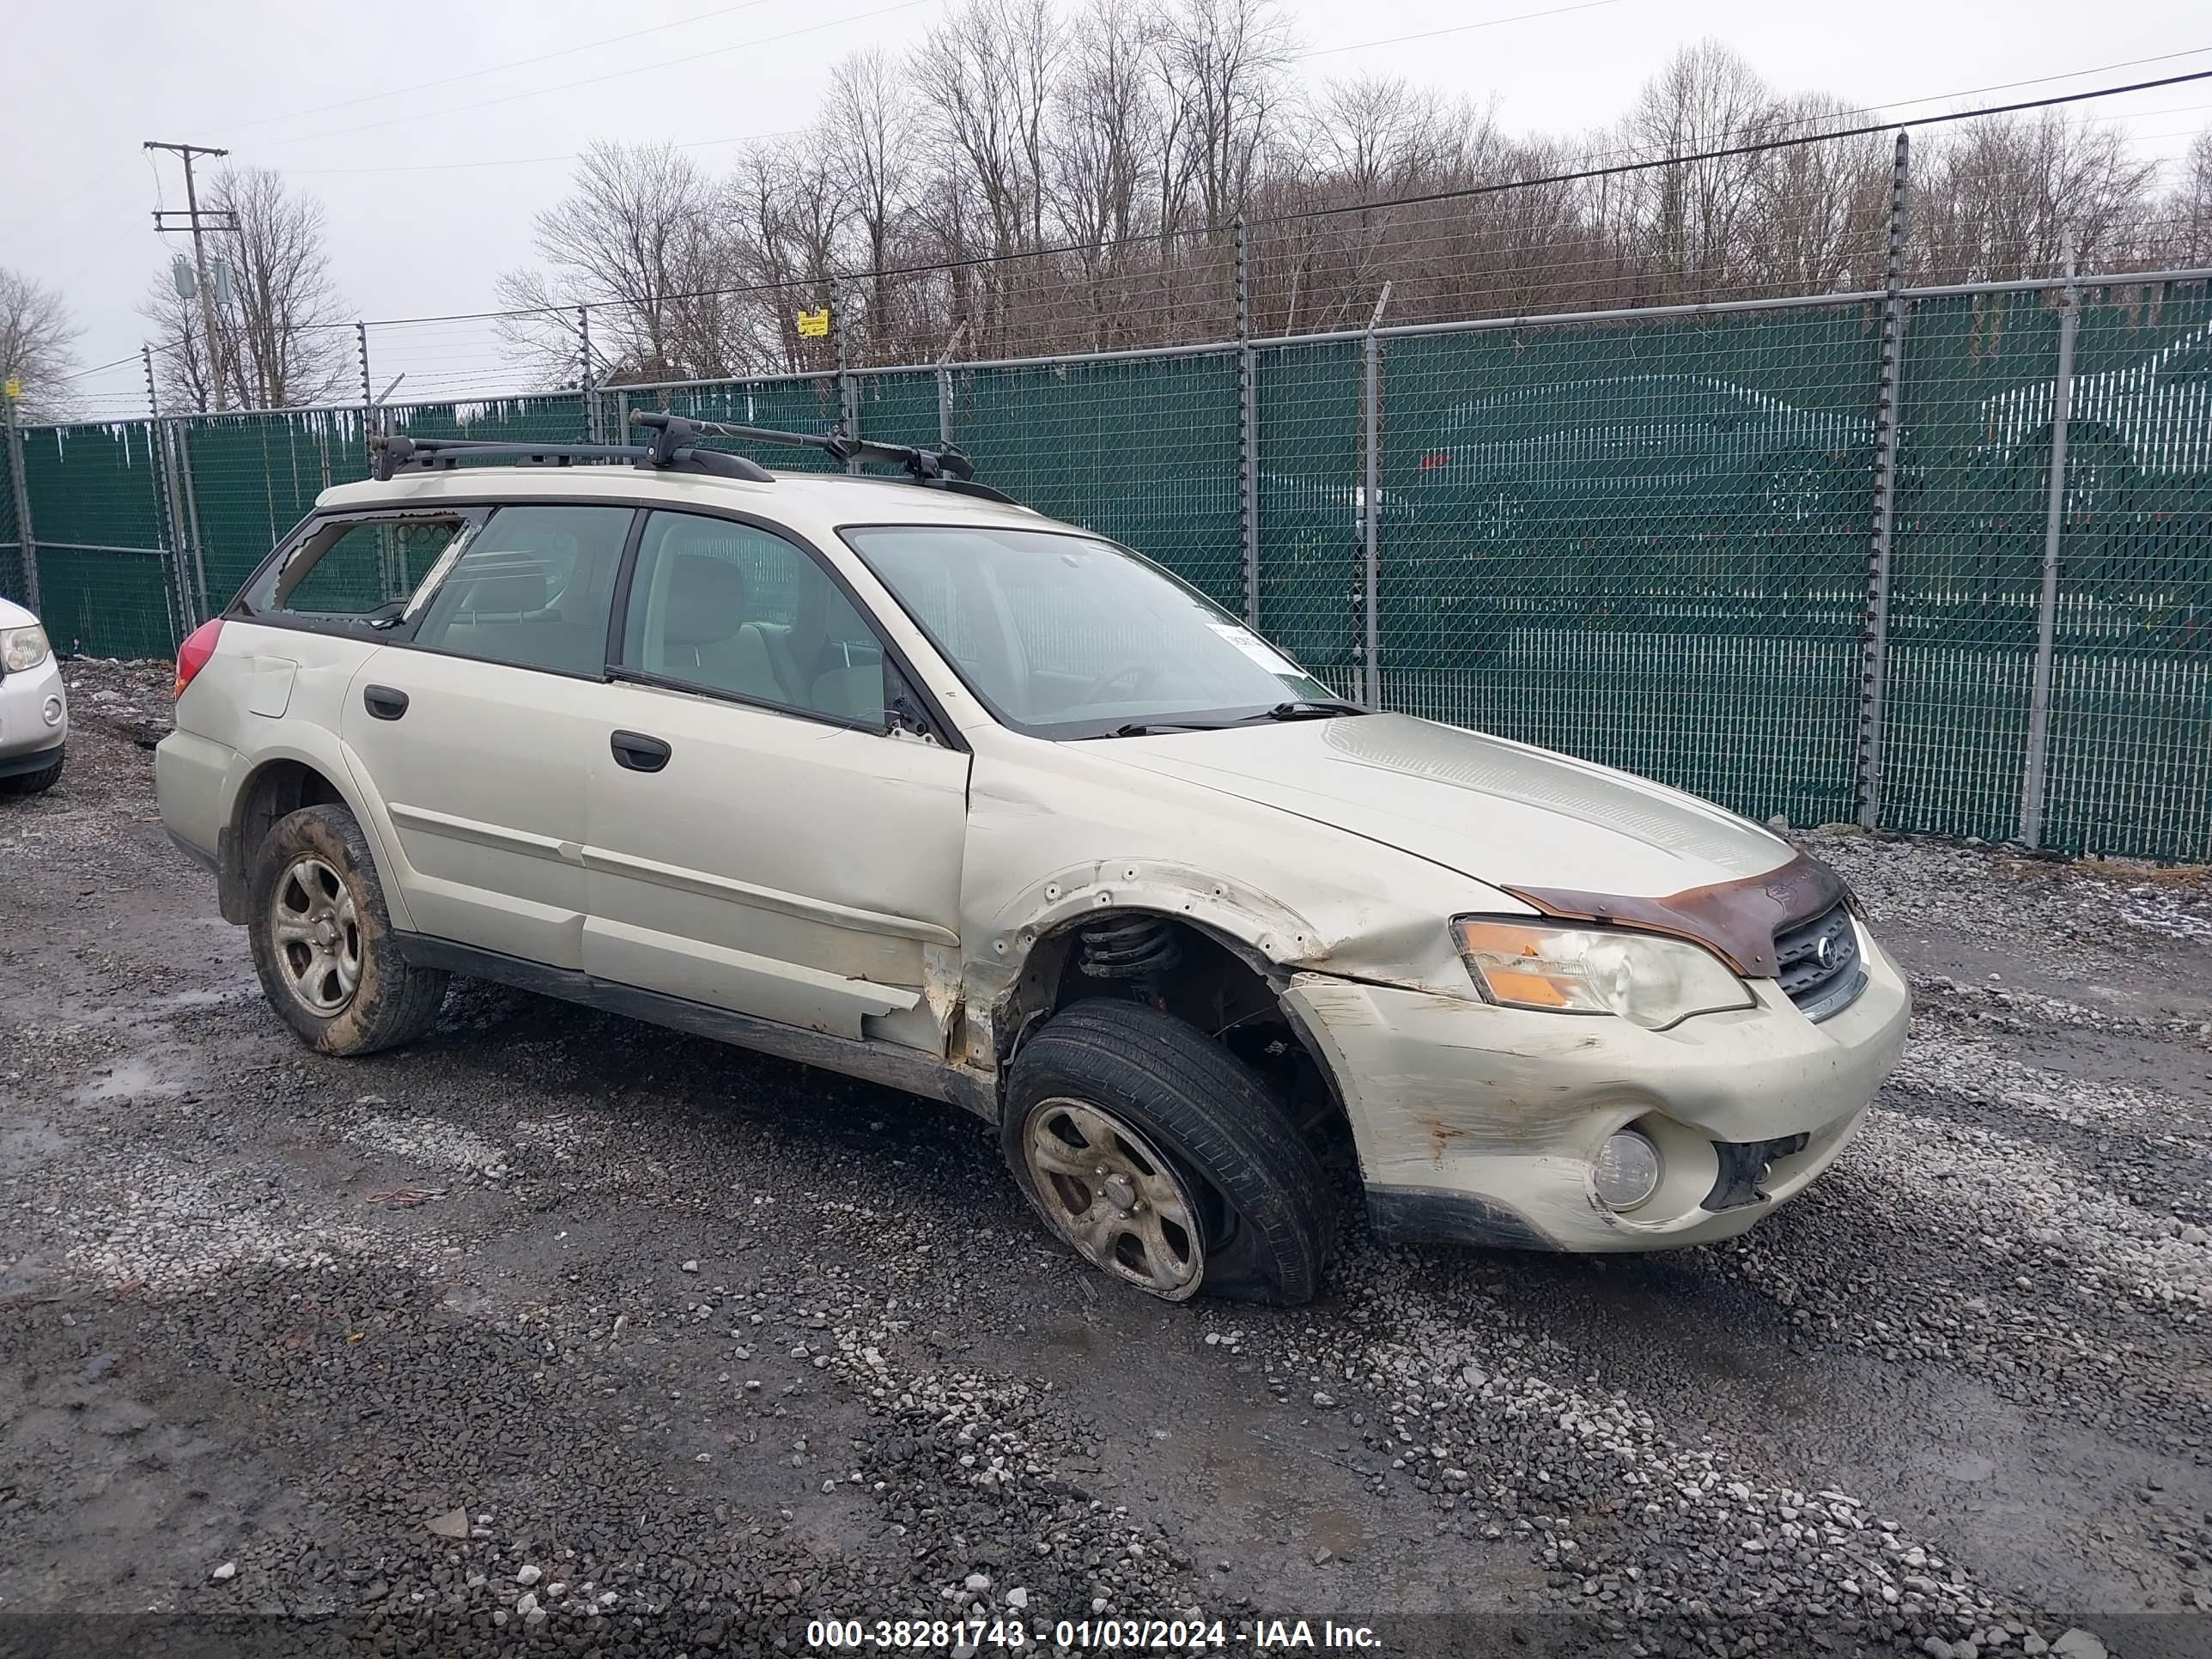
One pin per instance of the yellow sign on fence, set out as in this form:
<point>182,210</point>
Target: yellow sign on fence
<point>814,324</point>
<point>14,388</point>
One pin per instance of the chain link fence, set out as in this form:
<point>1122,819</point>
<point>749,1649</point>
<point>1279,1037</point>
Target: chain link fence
<point>1649,536</point>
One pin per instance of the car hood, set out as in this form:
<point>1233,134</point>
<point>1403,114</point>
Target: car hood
<point>13,615</point>
<point>1502,812</point>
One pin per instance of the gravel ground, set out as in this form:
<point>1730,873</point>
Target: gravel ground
<point>683,1348</point>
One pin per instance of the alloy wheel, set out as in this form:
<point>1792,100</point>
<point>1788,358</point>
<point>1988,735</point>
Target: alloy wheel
<point>317,933</point>
<point>1108,1191</point>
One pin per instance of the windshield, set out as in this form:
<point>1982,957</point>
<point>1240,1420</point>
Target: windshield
<point>1068,636</point>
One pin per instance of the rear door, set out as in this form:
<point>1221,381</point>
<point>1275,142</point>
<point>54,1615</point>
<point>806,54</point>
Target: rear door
<point>762,839</point>
<point>479,734</point>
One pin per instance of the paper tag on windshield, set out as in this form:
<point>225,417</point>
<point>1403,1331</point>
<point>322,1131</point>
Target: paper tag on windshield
<point>1256,648</point>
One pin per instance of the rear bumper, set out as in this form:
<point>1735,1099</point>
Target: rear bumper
<point>1480,1125</point>
<point>189,775</point>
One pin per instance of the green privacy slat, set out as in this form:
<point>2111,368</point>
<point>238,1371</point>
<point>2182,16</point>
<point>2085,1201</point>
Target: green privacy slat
<point>1142,450</point>
<point>106,605</point>
<point>96,522</point>
<point>1644,543</point>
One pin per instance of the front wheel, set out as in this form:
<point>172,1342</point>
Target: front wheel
<point>322,942</point>
<point>1162,1160</point>
<point>32,783</point>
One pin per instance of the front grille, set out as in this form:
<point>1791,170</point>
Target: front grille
<point>1821,970</point>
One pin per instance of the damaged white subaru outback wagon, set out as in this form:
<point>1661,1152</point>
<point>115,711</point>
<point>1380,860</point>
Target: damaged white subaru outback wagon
<point>891,775</point>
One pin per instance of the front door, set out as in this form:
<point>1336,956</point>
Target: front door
<point>478,737</point>
<point>761,840</point>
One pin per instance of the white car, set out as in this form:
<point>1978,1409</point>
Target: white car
<point>34,706</point>
<point>2129,431</point>
<point>893,776</point>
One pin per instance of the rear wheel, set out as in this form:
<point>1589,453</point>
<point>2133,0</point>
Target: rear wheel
<point>1162,1160</point>
<point>323,943</point>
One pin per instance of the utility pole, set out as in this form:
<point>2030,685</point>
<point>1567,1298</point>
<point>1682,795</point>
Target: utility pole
<point>193,217</point>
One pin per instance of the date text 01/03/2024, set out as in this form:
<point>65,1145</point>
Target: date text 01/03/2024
<point>1134,1635</point>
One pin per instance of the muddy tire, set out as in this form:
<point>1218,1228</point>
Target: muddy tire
<point>322,942</point>
<point>1163,1159</point>
<point>35,783</point>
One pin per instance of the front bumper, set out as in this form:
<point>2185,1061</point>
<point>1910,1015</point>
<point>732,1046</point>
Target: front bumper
<point>1480,1124</point>
<point>33,718</point>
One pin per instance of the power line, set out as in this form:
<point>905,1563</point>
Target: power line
<point>495,68</point>
<point>1461,193</point>
<point>1457,28</point>
<point>1728,152</point>
<point>597,80</point>
<point>529,161</point>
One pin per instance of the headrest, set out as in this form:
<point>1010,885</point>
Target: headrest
<point>506,591</point>
<point>706,600</point>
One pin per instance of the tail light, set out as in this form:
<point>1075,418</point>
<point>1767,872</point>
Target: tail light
<point>1436,458</point>
<point>192,655</point>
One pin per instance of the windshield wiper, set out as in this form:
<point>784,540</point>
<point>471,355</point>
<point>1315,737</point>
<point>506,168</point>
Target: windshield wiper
<point>1301,708</point>
<point>1305,708</point>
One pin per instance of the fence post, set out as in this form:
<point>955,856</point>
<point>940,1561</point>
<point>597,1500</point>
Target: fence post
<point>26,547</point>
<point>2034,784</point>
<point>368,387</point>
<point>1248,427</point>
<point>944,385</point>
<point>1874,665</point>
<point>848,389</point>
<point>585,389</point>
<point>174,591</point>
<point>1371,654</point>
<point>179,437</point>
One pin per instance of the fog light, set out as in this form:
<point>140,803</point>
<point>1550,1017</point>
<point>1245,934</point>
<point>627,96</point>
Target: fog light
<point>1627,1172</point>
<point>54,711</point>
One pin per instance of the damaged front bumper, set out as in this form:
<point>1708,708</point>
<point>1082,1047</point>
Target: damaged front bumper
<point>1481,1125</point>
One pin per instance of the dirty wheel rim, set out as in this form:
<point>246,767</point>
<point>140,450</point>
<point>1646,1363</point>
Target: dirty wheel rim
<point>317,933</point>
<point>1109,1191</point>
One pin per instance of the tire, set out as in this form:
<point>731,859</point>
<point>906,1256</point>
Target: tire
<point>35,783</point>
<point>1225,1150</point>
<point>315,864</point>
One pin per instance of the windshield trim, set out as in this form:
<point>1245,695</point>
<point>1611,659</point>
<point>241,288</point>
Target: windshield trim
<point>1209,719</point>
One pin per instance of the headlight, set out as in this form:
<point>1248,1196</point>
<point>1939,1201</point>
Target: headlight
<point>23,647</point>
<point>1656,983</point>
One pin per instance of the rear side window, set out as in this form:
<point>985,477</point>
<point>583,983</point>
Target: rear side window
<point>357,571</point>
<point>732,609</point>
<point>534,587</point>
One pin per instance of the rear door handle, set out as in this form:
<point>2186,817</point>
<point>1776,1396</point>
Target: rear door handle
<point>636,752</point>
<point>383,702</point>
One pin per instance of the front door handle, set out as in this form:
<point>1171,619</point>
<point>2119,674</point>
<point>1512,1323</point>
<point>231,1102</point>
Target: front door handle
<point>383,702</point>
<point>636,752</point>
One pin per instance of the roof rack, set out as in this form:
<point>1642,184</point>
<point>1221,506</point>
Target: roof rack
<point>674,448</point>
<point>947,469</point>
<point>397,453</point>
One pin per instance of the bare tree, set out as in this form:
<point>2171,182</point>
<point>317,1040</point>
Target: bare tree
<point>636,236</point>
<point>2009,196</point>
<point>2183,236</point>
<point>870,126</point>
<point>1691,218</point>
<point>1229,61</point>
<point>281,333</point>
<point>37,337</point>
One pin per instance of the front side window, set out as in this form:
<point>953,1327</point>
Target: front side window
<point>729,608</point>
<point>356,572</point>
<point>534,587</point>
<point>1068,636</point>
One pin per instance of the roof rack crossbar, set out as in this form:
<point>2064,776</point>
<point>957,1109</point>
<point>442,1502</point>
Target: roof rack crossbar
<point>927,465</point>
<point>397,451</point>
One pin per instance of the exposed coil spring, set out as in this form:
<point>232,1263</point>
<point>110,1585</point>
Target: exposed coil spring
<point>1129,947</point>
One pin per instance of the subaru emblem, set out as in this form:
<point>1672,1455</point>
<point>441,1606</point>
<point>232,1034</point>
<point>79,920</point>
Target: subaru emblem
<point>1820,951</point>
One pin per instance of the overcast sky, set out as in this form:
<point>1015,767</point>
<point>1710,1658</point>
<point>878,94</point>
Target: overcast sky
<point>431,188</point>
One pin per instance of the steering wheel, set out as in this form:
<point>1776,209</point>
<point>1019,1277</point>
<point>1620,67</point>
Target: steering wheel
<point>1139,674</point>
